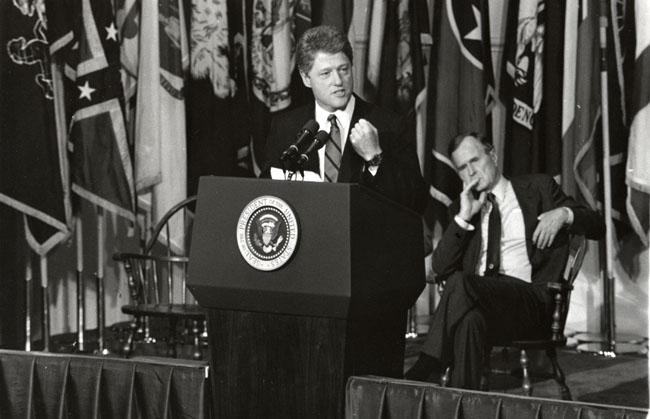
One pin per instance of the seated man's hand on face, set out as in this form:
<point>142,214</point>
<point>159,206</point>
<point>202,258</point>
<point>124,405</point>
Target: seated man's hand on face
<point>470,204</point>
<point>365,139</point>
<point>548,226</point>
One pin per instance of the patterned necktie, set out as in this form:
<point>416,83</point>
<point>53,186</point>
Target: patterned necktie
<point>493,258</point>
<point>333,151</point>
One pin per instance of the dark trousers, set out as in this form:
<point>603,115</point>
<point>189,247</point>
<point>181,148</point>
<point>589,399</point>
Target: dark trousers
<point>478,312</point>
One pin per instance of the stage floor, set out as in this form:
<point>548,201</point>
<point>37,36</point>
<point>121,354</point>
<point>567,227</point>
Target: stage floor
<point>618,381</point>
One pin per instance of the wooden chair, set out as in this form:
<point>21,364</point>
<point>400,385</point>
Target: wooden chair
<point>561,291</point>
<point>154,288</point>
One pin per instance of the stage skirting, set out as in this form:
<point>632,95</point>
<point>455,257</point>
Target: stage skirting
<point>41,385</point>
<point>382,398</point>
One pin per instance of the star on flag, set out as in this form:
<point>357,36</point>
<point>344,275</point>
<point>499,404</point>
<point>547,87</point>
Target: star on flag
<point>86,91</point>
<point>475,34</point>
<point>111,32</point>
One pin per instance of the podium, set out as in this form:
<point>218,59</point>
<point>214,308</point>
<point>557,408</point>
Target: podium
<point>284,340</point>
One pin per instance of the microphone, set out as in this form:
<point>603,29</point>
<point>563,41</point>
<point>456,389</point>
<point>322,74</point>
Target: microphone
<point>319,140</point>
<point>306,132</point>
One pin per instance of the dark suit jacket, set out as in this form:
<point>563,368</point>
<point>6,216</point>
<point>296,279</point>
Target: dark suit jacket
<point>398,176</point>
<point>459,249</point>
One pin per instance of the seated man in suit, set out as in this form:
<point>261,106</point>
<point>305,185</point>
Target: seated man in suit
<point>506,239</point>
<point>368,145</point>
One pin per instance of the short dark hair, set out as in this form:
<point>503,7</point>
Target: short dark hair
<point>455,142</point>
<point>320,39</point>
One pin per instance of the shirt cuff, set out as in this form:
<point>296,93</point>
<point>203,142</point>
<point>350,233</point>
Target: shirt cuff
<point>463,224</point>
<point>372,170</point>
<point>569,215</point>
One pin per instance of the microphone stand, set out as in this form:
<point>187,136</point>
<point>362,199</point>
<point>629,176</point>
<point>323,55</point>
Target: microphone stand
<point>290,167</point>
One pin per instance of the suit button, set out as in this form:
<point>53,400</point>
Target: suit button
<point>491,266</point>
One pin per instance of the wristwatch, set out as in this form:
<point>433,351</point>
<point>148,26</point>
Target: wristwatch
<point>375,160</point>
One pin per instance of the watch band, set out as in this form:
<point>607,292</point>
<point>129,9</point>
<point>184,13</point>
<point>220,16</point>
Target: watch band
<point>375,160</point>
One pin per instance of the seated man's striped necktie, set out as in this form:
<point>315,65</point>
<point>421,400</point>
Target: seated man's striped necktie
<point>333,151</point>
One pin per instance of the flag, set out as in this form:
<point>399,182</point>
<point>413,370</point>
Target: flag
<point>33,175</point>
<point>127,20</point>
<point>160,142</point>
<point>375,49</point>
<point>620,66</point>
<point>396,68</point>
<point>638,170</point>
<point>407,46</point>
<point>460,93</point>
<point>272,52</point>
<point>209,46</point>
<point>581,99</point>
<point>86,38</point>
<point>211,149</point>
<point>333,13</point>
<point>358,34</point>
<point>420,52</point>
<point>548,156</point>
<point>274,27</point>
<point>530,87</point>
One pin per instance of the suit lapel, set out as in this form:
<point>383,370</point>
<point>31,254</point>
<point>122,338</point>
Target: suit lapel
<point>351,163</point>
<point>528,203</point>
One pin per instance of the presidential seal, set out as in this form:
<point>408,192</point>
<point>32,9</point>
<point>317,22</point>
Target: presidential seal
<point>267,233</point>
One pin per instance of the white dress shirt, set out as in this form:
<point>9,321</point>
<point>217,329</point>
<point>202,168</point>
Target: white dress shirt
<point>344,118</point>
<point>514,255</point>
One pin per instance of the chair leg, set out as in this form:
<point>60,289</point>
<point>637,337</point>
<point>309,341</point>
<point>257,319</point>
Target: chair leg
<point>196,353</point>
<point>446,377</point>
<point>484,384</point>
<point>525,376</point>
<point>204,334</point>
<point>171,340</point>
<point>559,374</point>
<point>127,349</point>
<point>146,321</point>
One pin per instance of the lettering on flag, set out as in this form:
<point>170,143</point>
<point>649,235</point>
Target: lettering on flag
<point>526,69</point>
<point>522,113</point>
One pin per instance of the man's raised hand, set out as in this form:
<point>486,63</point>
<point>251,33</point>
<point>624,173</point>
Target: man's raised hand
<point>470,205</point>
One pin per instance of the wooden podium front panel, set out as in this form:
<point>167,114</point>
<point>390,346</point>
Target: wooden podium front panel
<point>277,365</point>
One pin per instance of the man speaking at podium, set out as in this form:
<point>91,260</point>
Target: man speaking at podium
<point>357,143</point>
<point>366,144</point>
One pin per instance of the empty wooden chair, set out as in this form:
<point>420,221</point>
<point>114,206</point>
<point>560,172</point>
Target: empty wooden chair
<point>157,285</point>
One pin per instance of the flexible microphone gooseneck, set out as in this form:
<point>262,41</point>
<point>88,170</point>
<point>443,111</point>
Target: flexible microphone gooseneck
<point>306,132</point>
<point>319,140</point>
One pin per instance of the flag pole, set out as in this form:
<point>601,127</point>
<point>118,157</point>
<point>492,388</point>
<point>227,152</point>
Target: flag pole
<point>607,345</point>
<point>46,304</point>
<point>101,310</point>
<point>28,302</point>
<point>609,295</point>
<point>81,289</point>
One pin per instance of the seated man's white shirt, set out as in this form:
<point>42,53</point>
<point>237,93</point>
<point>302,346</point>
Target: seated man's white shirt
<point>514,255</point>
